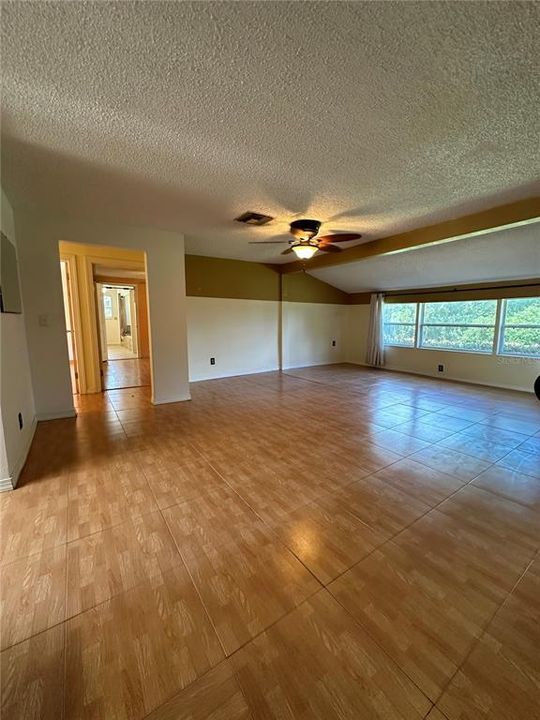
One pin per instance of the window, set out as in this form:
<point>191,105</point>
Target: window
<point>466,326</point>
<point>504,327</point>
<point>520,327</point>
<point>107,306</point>
<point>399,324</point>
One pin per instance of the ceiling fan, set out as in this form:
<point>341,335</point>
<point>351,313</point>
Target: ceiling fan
<point>305,242</point>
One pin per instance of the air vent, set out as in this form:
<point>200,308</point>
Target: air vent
<point>253,218</point>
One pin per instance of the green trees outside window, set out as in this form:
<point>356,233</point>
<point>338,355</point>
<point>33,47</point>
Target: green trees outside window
<point>520,332</point>
<point>507,327</point>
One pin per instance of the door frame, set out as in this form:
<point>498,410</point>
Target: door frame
<point>75,314</point>
<point>134,305</point>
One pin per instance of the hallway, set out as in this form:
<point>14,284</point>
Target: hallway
<point>119,374</point>
<point>120,352</point>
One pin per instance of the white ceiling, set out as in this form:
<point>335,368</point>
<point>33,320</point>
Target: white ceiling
<point>503,255</point>
<point>374,117</point>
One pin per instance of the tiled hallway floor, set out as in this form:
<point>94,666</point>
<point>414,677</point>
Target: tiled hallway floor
<point>119,374</point>
<point>328,543</point>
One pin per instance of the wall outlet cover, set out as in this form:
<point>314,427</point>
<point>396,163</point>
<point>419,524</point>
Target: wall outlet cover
<point>440,368</point>
<point>212,361</point>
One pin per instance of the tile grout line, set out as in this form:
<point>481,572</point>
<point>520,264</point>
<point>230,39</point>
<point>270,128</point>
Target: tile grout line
<point>227,658</point>
<point>183,562</point>
<point>323,586</point>
<point>367,630</point>
<point>485,629</point>
<point>277,539</point>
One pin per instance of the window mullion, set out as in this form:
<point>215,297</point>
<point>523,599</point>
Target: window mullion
<point>419,325</point>
<point>499,327</point>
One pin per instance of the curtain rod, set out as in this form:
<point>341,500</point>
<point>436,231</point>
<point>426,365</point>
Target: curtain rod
<point>459,289</point>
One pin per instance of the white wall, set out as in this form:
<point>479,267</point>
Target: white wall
<point>16,395</point>
<point>308,331</point>
<point>6,481</point>
<point>38,237</point>
<point>242,335</point>
<point>357,332</point>
<point>493,370</point>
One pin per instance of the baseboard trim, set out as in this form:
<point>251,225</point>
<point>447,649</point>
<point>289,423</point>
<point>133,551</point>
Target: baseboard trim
<point>453,378</point>
<point>235,374</point>
<point>41,417</point>
<point>10,483</point>
<point>314,364</point>
<point>167,401</point>
<point>6,484</point>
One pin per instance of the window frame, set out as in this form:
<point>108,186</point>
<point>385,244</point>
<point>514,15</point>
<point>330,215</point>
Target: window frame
<point>499,328</point>
<point>424,324</point>
<point>413,324</point>
<point>503,326</point>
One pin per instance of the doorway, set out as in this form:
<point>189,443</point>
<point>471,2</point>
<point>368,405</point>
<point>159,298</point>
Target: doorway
<point>67,293</point>
<point>106,311</point>
<point>120,317</point>
<point>119,334</point>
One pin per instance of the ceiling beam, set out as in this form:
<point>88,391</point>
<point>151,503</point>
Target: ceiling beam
<point>516,213</point>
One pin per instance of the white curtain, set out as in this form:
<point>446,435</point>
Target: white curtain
<point>375,344</point>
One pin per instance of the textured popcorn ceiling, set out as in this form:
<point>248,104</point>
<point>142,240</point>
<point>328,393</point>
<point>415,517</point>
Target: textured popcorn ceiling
<point>509,254</point>
<point>374,117</point>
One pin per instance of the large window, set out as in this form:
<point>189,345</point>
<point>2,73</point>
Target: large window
<point>400,324</point>
<point>468,325</point>
<point>506,327</point>
<point>520,327</point>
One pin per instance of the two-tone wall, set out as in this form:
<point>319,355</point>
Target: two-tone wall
<point>250,319</point>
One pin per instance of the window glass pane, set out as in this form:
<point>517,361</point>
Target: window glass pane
<point>523,311</point>
<point>399,334</point>
<point>400,313</point>
<point>521,341</point>
<point>107,304</point>
<point>473,339</point>
<point>466,312</point>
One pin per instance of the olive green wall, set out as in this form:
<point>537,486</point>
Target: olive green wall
<point>360,298</point>
<point>221,278</point>
<point>301,287</point>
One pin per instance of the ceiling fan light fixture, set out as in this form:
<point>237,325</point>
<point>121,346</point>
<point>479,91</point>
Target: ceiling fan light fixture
<point>305,250</point>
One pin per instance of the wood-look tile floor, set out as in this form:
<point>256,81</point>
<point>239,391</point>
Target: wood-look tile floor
<point>199,561</point>
<point>126,372</point>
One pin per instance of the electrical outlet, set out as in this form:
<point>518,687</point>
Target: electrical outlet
<point>333,343</point>
<point>212,361</point>
<point>21,423</point>
<point>440,368</point>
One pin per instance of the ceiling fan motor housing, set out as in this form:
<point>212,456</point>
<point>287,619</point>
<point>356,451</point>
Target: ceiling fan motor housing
<point>305,229</point>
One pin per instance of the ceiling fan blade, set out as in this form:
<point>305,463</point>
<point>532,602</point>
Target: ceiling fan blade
<point>330,248</point>
<point>287,251</point>
<point>267,242</point>
<point>342,237</point>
